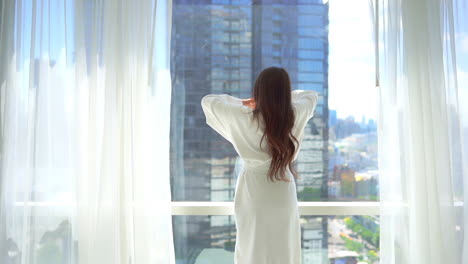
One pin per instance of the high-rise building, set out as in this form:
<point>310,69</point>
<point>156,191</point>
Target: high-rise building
<point>220,46</point>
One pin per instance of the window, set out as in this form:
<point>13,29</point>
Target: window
<point>338,159</point>
<point>311,43</point>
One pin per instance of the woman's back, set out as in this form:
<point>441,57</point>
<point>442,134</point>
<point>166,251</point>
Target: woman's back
<point>235,122</point>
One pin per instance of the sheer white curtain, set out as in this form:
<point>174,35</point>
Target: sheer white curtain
<point>423,131</point>
<point>84,111</point>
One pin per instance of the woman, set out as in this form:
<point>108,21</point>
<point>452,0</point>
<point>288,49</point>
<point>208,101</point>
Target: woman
<point>266,132</point>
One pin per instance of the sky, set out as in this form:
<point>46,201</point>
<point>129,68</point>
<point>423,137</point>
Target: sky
<point>352,90</point>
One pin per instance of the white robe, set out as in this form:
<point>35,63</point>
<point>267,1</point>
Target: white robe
<point>266,213</point>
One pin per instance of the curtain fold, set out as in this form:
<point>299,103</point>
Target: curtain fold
<point>85,95</point>
<point>422,128</point>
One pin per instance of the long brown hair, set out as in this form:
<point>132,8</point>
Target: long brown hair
<point>272,95</point>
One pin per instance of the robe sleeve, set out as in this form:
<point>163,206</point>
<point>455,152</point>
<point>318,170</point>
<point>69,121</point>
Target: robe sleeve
<point>305,101</point>
<point>219,110</point>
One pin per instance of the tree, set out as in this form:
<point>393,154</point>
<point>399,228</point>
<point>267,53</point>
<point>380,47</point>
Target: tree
<point>309,194</point>
<point>366,237</point>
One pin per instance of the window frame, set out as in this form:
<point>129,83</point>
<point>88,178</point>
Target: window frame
<point>305,208</point>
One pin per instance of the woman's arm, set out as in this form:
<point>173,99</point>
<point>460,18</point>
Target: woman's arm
<point>306,101</point>
<point>218,109</point>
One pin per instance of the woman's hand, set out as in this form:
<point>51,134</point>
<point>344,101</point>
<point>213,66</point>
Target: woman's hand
<point>249,102</point>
